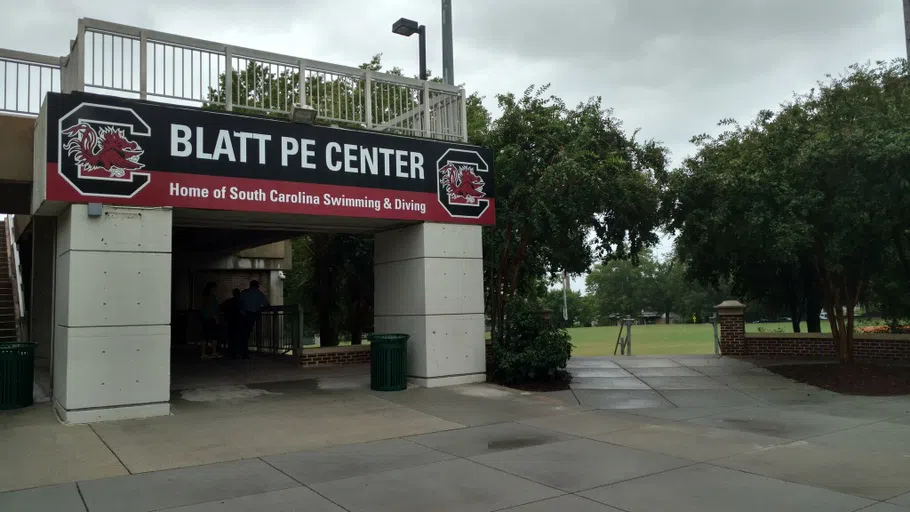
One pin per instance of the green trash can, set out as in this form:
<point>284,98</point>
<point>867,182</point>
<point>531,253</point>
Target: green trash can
<point>388,361</point>
<point>17,374</point>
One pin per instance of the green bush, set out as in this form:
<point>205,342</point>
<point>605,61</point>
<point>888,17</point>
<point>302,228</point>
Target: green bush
<point>530,347</point>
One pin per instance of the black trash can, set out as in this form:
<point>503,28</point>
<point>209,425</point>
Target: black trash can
<point>388,361</point>
<point>17,374</point>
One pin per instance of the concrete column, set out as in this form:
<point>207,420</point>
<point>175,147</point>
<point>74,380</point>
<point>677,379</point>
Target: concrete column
<point>732,323</point>
<point>276,288</point>
<point>429,284</point>
<point>41,314</point>
<point>112,314</point>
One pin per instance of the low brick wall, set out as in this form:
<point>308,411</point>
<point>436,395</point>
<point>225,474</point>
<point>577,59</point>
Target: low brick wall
<point>868,347</point>
<point>735,342</point>
<point>335,356</point>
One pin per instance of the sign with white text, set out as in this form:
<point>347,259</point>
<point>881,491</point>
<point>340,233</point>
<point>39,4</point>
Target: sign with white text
<point>140,153</point>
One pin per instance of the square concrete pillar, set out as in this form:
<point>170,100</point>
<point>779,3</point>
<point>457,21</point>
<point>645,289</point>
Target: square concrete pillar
<point>429,284</point>
<point>112,314</point>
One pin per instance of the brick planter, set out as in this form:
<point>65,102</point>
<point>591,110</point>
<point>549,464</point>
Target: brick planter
<point>335,356</point>
<point>735,342</point>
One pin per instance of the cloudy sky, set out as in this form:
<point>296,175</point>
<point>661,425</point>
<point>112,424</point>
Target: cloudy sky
<point>670,67</point>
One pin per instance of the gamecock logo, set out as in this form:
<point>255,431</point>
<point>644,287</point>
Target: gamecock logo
<point>461,185</point>
<point>110,151</point>
<point>98,152</point>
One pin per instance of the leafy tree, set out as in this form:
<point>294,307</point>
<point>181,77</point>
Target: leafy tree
<point>579,310</point>
<point>669,288</point>
<point>622,288</point>
<point>529,347</point>
<point>571,188</point>
<point>816,190</point>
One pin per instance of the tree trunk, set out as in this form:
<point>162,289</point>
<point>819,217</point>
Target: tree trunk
<point>667,315</point>
<point>325,292</point>
<point>794,304</point>
<point>356,333</point>
<point>813,297</point>
<point>496,293</point>
<point>839,306</point>
<point>795,316</point>
<point>901,251</point>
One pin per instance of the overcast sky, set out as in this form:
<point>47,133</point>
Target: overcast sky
<point>670,67</point>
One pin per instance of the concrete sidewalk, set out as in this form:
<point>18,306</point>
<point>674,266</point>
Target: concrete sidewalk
<point>332,445</point>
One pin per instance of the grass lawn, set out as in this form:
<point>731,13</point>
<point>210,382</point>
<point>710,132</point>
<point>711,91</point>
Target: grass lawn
<point>659,339</point>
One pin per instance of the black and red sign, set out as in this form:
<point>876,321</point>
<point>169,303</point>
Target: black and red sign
<point>128,152</point>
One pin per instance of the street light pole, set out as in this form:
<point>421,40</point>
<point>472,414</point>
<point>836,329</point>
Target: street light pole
<point>448,73</point>
<point>407,28</point>
<point>907,25</point>
<point>422,43</point>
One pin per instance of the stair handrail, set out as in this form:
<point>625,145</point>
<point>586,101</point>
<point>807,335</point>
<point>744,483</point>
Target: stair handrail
<point>15,272</point>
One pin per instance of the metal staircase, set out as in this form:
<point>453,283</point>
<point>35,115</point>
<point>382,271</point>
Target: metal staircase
<point>9,308</point>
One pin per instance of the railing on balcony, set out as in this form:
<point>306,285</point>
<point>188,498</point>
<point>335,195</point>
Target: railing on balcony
<point>147,64</point>
<point>24,80</point>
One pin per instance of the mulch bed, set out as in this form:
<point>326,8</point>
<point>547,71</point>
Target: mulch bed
<point>560,383</point>
<point>850,379</point>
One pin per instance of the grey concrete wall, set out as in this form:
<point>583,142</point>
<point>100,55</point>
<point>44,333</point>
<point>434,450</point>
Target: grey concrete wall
<point>112,314</point>
<point>16,147</point>
<point>429,284</point>
<point>41,314</point>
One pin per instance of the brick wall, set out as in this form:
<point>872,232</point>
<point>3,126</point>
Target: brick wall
<point>335,356</point>
<point>868,347</point>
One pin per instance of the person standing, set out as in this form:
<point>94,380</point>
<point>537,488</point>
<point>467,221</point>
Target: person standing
<point>252,300</point>
<point>210,333</point>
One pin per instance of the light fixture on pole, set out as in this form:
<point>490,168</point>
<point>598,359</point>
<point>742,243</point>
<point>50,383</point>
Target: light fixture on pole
<point>303,114</point>
<point>448,74</point>
<point>407,28</point>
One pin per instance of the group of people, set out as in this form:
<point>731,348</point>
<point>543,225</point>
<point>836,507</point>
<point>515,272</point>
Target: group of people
<point>241,313</point>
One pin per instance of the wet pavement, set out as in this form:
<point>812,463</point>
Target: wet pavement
<point>634,434</point>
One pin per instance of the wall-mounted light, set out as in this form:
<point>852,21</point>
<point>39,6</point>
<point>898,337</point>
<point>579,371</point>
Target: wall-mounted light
<point>303,114</point>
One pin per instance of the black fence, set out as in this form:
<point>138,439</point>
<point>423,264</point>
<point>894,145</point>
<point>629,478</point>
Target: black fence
<point>277,330</point>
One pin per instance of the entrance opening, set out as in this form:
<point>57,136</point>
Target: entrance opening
<point>217,254</point>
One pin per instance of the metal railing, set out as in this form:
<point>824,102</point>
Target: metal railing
<point>278,330</point>
<point>24,80</point>
<point>146,64</point>
<point>15,271</point>
<point>149,64</point>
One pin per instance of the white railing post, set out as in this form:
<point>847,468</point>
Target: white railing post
<point>301,70</point>
<point>426,109</point>
<point>464,116</point>
<point>228,79</point>
<point>143,65</point>
<point>79,52</point>
<point>368,98</point>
